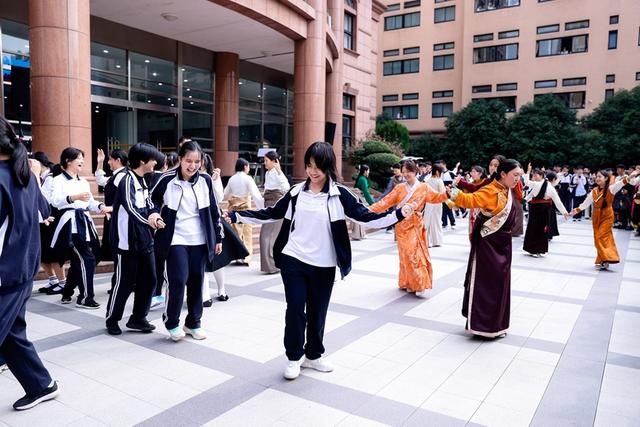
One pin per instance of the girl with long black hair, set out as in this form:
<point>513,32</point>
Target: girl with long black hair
<point>22,206</point>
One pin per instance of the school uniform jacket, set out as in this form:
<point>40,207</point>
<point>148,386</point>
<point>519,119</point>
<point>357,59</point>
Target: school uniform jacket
<point>166,197</point>
<point>342,203</point>
<point>130,230</point>
<point>21,209</point>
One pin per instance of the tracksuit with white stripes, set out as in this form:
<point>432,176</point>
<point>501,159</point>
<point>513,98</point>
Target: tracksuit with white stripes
<point>132,245</point>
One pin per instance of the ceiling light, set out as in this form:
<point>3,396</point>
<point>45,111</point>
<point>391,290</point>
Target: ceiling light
<point>185,80</point>
<point>183,69</point>
<point>97,106</point>
<point>118,66</point>
<point>169,17</point>
<point>105,50</point>
<point>240,83</point>
<point>159,84</point>
<point>188,90</point>
<point>168,99</point>
<point>146,61</point>
<point>149,101</point>
<point>190,96</point>
<point>154,74</point>
<point>191,103</point>
<point>173,105</point>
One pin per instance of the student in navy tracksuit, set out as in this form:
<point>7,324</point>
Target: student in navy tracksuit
<point>312,242</point>
<point>132,243</point>
<point>22,206</point>
<point>184,201</point>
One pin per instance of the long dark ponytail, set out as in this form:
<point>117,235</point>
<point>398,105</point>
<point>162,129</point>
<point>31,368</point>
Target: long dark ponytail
<point>607,179</point>
<point>10,145</point>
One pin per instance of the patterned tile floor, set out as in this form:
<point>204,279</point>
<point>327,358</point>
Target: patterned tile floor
<point>572,356</point>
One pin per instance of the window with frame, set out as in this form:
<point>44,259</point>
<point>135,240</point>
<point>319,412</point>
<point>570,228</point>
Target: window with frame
<point>392,52</point>
<point>349,21</point>
<point>611,78</point>
<point>406,20</point>
<point>575,81</point>
<point>562,45</point>
<point>441,1</point>
<point>614,19</point>
<point>508,34</point>
<point>504,87</point>
<point>481,89</point>
<point>509,102</point>
<point>443,62</point>
<point>487,5</point>
<point>393,7</point>
<point>482,37</point>
<point>410,96</point>
<point>613,40</point>
<point>347,132</point>
<point>442,94</point>
<point>608,94</point>
<point>410,50</point>
<point>443,46</point>
<point>545,29</point>
<point>541,84</point>
<point>441,109</point>
<point>444,14</point>
<point>573,100</point>
<point>348,102</point>
<point>637,75</point>
<point>406,66</point>
<point>401,112</point>
<point>410,4</point>
<point>504,52</point>
<point>350,3</point>
<point>576,25</point>
<point>389,98</point>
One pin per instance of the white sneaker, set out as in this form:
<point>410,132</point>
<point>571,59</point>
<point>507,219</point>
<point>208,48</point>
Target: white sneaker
<point>292,370</point>
<point>319,364</point>
<point>196,333</point>
<point>422,294</point>
<point>176,334</point>
<point>157,302</point>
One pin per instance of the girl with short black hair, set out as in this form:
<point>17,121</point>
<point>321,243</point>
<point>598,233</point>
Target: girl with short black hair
<point>275,186</point>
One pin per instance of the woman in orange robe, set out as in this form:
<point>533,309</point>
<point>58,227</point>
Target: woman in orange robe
<point>602,218</point>
<point>487,286</point>
<point>415,262</point>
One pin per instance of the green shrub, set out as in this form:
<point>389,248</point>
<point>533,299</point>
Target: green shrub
<point>380,168</point>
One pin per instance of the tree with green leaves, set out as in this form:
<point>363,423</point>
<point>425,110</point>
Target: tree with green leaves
<point>392,131</point>
<point>379,155</point>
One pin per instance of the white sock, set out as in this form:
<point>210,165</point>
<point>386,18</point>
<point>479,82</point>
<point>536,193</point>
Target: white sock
<point>219,276</point>
<point>206,291</point>
<point>53,280</point>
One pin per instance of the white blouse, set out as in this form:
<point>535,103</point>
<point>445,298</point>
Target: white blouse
<point>613,188</point>
<point>550,193</point>
<point>242,185</point>
<point>276,181</point>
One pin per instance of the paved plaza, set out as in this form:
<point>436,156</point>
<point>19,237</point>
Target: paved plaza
<point>572,355</point>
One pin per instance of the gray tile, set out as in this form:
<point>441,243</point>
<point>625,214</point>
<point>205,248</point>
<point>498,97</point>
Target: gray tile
<point>422,417</point>
<point>623,360</point>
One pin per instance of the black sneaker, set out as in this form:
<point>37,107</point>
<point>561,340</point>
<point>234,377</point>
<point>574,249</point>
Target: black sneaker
<point>46,289</point>
<point>207,303</point>
<point>223,298</point>
<point>65,300</point>
<point>90,304</point>
<point>140,325</point>
<point>55,290</point>
<point>28,402</point>
<point>113,328</point>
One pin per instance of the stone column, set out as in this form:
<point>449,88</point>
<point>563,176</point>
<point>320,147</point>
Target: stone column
<point>60,47</point>
<point>309,86</point>
<point>334,80</point>
<point>227,113</point>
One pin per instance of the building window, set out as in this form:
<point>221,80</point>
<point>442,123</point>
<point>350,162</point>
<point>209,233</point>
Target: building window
<point>576,25</point>
<point>406,66</point>
<point>575,81</point>
<point>613,39</point>
<point>441,109</point>
<point>485,5</point>
<point>402,21</point>
<point>349,21</point>
<point>109,67</point>
<point>638,76</point>
<point>347,132</point>
<point>401,112</point>
<point>410,96</point>
<point>410,50</point>
<point>444,46</point>
<point>503,87</point>
<point>573,100</point>
<point>508,34</point>
<point>482,37</point>
<point>504,52</point>
<point>508,101</point>
<point>350,3</point>
<point>410,4</point>
<point>481,89</point>
<point>611,78</point>
<point>389,98</point>
<point>614,19</point>
<point>541,84</point>
<point>442,94</point>
<point>348,102</point>
<point>441,1</point>
<point>444,14</point>
<point>443,62</point>
<point>392,7</point>
<point>562,45</point>
<point>608,93</point>
<point>545,29</point>
<point>392,52</point>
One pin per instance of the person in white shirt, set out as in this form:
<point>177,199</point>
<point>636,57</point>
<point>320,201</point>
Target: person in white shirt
<point>312,242</point>
<point>579,184</point>
<point>118,160</point>
<point>541,197</point>
<point>240,192</point>
<point>275,185</point>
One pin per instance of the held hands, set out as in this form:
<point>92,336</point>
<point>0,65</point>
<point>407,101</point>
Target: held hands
<point>155,221</point>
<point>227,218</point>
<point>218,248</point>
<point>573,212</point>
<point>408,209</point>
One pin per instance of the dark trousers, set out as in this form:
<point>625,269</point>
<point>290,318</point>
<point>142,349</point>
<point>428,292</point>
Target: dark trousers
<point>565,197</point>
<point>81,270</point>
<point>447,214</point>
<point>161,276</point>
<point>132,269</point>
<point>305,286</point>
<point>577,200</point>
<point>18,351</point>
<point>185,268</point>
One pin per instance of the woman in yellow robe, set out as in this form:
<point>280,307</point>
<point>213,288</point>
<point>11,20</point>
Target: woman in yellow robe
<point>602,218</point>
<point>415,262</point>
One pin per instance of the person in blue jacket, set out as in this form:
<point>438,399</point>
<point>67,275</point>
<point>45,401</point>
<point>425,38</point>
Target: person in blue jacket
<point>22,207</point>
